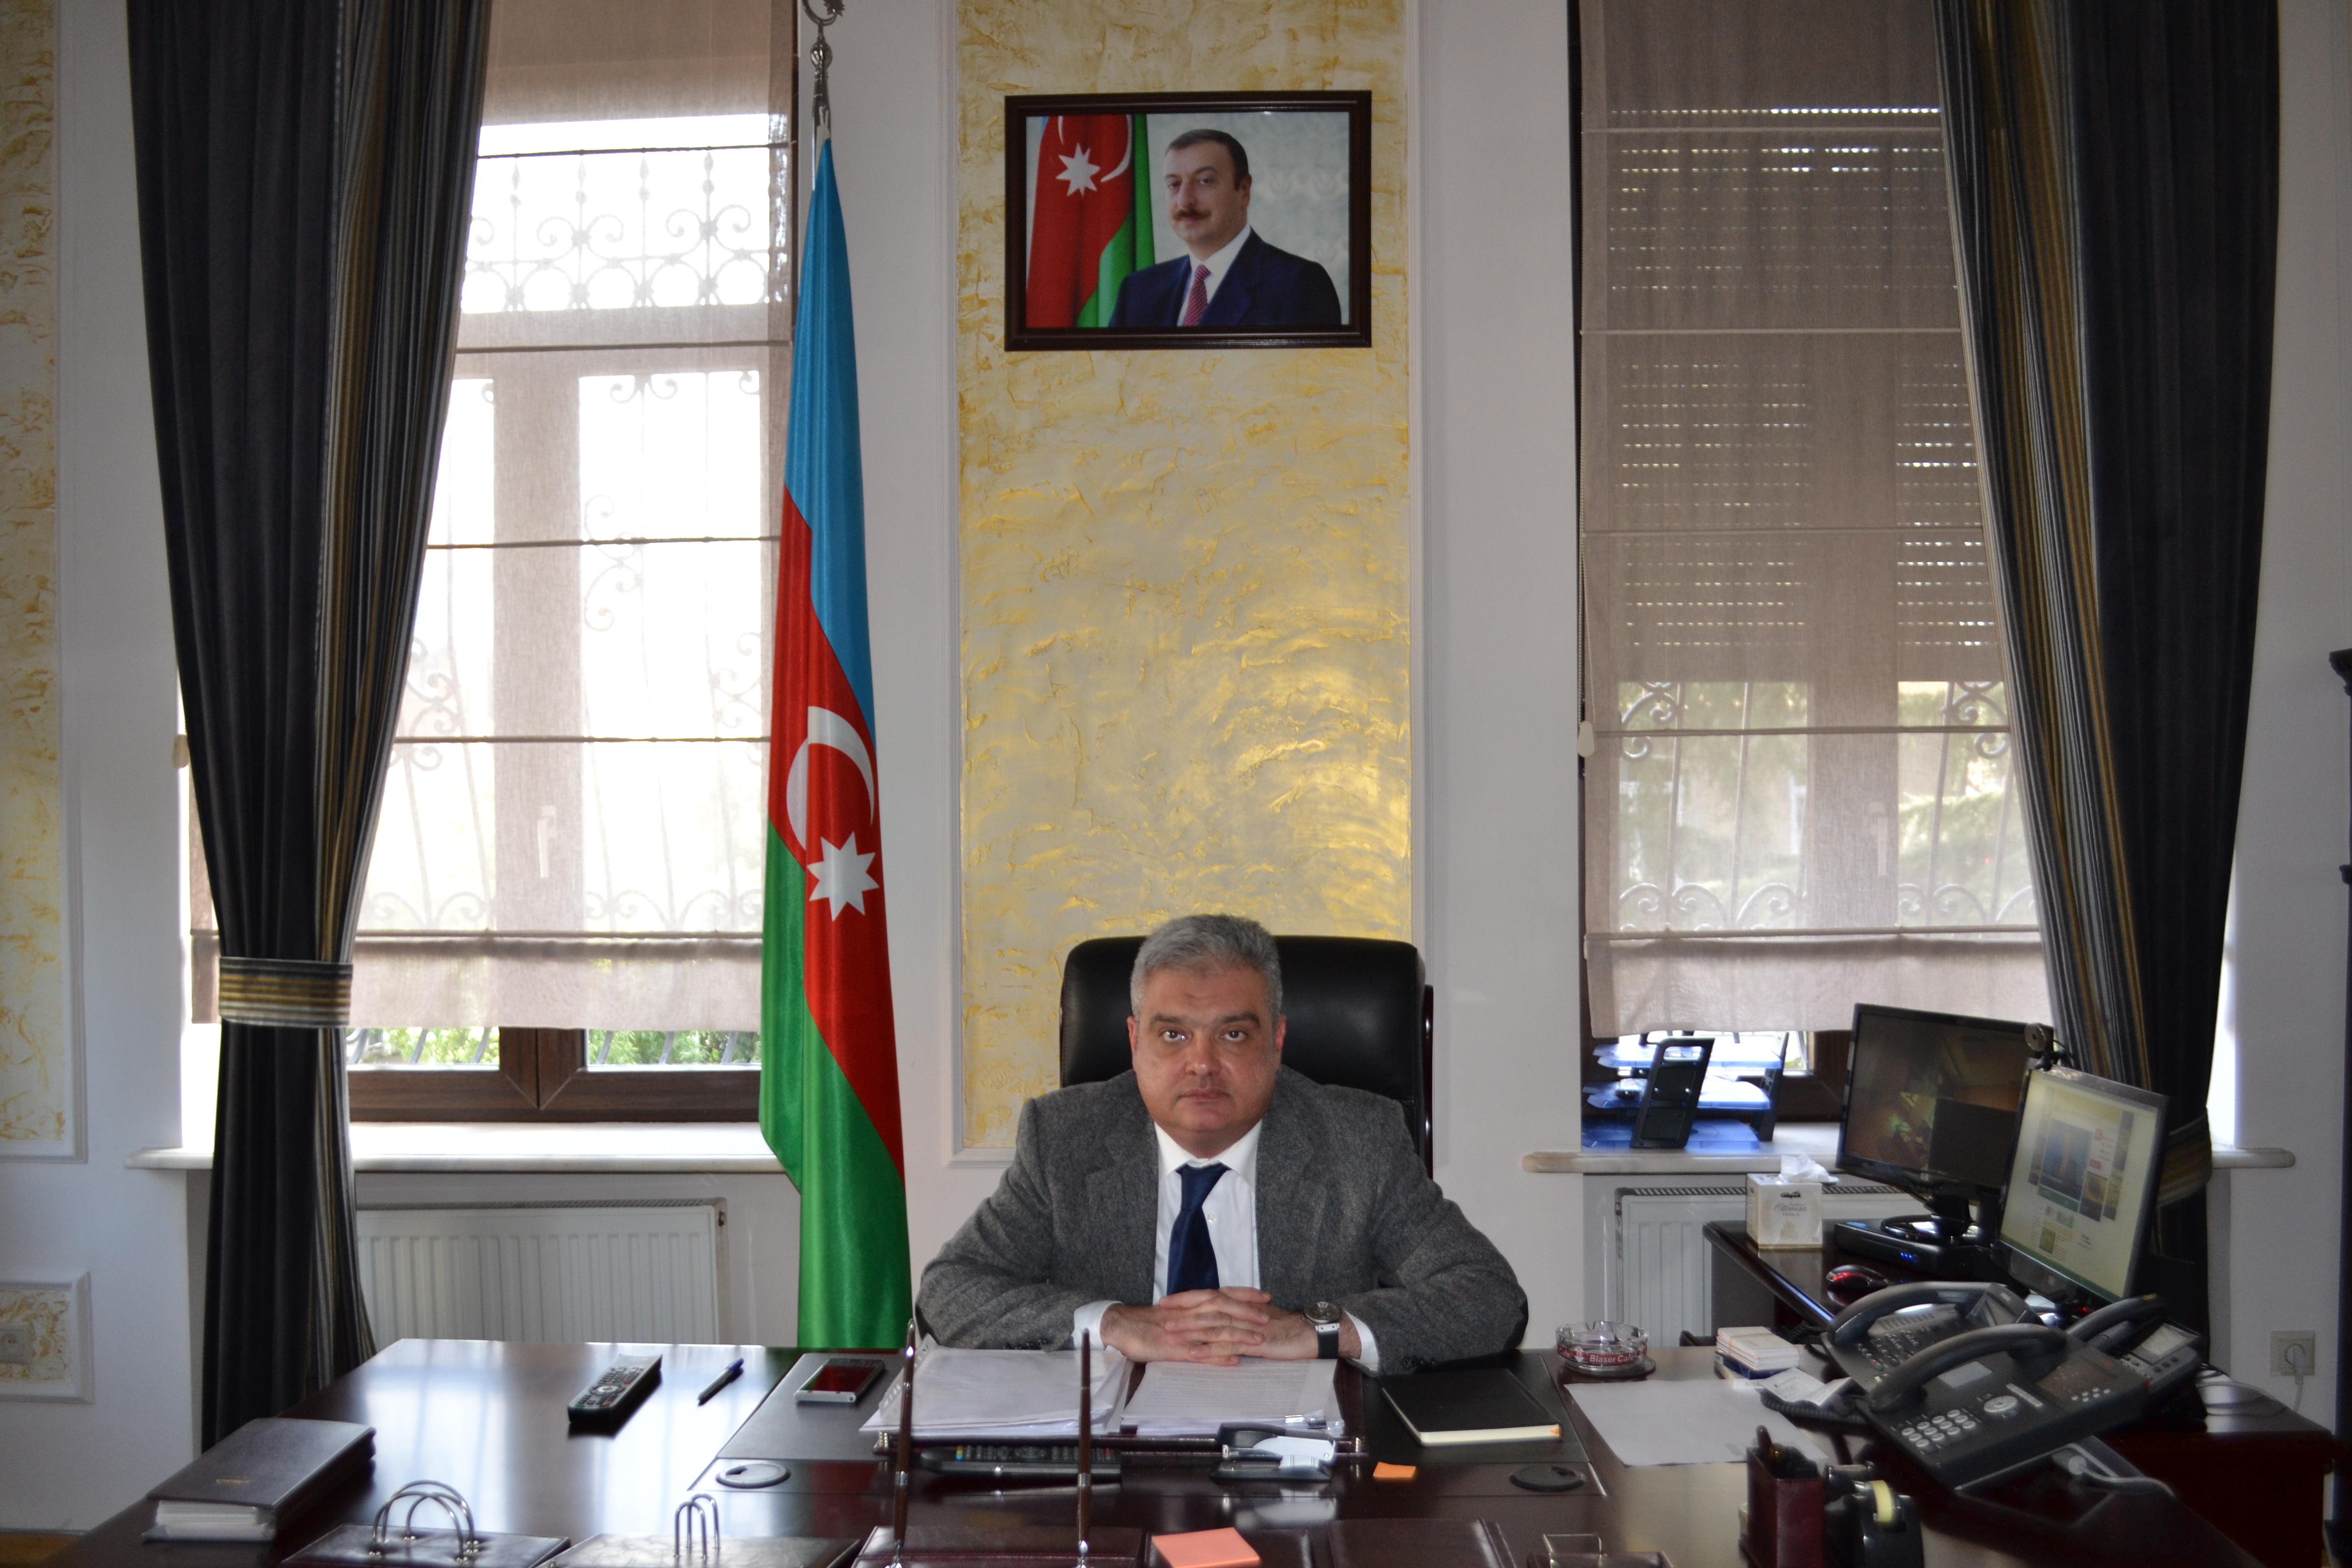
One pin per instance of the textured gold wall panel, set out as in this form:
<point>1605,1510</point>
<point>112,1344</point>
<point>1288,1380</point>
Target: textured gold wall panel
<point>36,1075</point>
<point>1184,592</point>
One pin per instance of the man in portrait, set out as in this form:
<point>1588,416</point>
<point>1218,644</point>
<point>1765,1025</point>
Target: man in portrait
<point>1229,277</point>
<point>1212,1203</point>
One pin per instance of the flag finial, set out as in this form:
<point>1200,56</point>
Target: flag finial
<point>821,61</point>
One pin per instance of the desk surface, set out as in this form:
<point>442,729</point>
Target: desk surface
<point>488,1420</point>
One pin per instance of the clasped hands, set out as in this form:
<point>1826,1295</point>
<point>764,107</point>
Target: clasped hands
<point>1218,1327</point>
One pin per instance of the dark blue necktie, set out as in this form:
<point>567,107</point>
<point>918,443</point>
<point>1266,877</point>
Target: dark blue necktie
<point>1192,1257</point>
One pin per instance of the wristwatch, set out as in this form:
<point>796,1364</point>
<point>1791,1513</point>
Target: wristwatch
<point>1324,1316</point>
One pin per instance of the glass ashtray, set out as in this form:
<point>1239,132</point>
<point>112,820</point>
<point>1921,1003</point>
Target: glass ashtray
<point>1604,1350</point>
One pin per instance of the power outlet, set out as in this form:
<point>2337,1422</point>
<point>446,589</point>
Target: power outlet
<point>2294,1352</point>
<point>16,1344</point>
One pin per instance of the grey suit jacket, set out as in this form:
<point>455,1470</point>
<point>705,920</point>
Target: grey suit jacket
<point>1345,1213</point>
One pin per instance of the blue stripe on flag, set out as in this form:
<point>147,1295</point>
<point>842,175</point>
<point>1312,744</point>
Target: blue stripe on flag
<point>823,468</point>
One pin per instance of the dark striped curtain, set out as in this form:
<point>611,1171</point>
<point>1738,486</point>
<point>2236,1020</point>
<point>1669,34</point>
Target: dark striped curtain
<point>2114,174</point>
<point>305,173</point>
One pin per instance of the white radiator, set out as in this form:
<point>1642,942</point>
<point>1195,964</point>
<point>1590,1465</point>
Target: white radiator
<point>647,1273</point>
<point>1663,1270</point>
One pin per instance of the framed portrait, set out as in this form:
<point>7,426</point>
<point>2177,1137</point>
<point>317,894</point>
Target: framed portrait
<point>1188,220</point>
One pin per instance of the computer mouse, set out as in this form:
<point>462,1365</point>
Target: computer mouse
<point>1850,1282</point>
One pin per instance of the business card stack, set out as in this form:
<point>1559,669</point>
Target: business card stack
<point>1753,1353</point>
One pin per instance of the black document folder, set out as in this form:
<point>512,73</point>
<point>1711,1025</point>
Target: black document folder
<point>1484,1405</point>
<point>264,1472</point>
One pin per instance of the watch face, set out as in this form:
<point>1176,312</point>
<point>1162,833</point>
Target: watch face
<point>1325,1314</point>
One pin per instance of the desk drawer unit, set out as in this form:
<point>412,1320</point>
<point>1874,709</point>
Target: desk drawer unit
<point>644,1273</point>
<point>1661,1272</point>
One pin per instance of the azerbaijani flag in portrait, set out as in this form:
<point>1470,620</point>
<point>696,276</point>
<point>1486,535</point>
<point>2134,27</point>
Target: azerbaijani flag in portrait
<point>1089,229</point>
<point>828,1051</point>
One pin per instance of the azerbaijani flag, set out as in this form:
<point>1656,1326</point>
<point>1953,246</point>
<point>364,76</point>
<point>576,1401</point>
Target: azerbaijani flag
<point>1088,229</point>
<point>828,1055</point>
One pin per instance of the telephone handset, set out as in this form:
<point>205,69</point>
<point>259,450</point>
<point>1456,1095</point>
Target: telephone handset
<point>1887,1328</point>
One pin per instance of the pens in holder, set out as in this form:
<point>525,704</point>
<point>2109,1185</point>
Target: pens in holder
<point>734,1370</point>
<point>1086,1439</point>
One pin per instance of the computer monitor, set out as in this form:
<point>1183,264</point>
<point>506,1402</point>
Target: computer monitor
<point>1931,1106</point>
<point>2082,1182</point>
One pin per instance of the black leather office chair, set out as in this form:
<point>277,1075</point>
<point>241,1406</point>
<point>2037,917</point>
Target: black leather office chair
<point>1360,1014</point>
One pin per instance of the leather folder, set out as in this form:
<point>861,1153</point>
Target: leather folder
<point>728,1551</point>
<point>1027,1546</point>
<point>352,1546</point>
<point>1416,1544</point>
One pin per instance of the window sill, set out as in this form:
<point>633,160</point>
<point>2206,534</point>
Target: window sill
<point>1818,1140</point>
<point>729,1148</point>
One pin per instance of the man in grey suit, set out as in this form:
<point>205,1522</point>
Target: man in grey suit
<point>1212,1203</point>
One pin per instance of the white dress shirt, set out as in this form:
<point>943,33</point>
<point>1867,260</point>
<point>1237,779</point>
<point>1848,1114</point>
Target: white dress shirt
<point>1218,264</point>
<point>1231,1209</point>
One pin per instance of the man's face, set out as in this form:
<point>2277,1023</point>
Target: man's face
<point>1206,1054</point>
<point>1206,205</point>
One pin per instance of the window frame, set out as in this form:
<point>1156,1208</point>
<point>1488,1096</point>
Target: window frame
<point>543,1076</point>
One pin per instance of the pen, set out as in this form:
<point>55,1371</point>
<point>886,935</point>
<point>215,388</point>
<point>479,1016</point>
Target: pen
<point>734,1370</point>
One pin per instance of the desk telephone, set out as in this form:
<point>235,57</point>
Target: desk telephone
<point>1964,1378</point>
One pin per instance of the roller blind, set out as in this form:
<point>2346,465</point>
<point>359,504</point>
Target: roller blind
<point>1799,791</point>
<point>572,831</point>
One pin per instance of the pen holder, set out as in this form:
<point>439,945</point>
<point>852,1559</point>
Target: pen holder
<point>1784,1515</point>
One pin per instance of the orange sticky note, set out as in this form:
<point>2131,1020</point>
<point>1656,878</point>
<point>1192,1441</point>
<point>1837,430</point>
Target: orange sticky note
<point>1205,1549</point>
<point>1387,1472</point>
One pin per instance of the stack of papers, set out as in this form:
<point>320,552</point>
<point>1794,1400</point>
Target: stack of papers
<point>1699,1422</point>
<point>212,1521</point>
<point>1183,1399</point>
<point>1010,1394</point>
<point>1754,1353</point>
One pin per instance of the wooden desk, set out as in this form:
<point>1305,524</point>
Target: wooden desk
<point>2257,1470</point>
<point>488,1420</point>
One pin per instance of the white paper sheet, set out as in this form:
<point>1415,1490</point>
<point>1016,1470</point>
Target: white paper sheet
<point>1698,1421</point>
<point>1182,1399</point>
<point>1008,1394</point>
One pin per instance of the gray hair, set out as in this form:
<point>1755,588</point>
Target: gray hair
<point>1208,942</point>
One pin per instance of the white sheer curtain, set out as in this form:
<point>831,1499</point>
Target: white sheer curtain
<point>1798,796</point>
<point>572,834</point>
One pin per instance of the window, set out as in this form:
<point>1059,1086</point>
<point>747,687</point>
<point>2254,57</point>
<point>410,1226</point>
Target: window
<point>1798,793</point>
<point>562,914</point>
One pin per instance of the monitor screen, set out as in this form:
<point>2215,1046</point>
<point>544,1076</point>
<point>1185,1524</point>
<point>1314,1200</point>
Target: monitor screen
<point>2082,1179</point>
<point>1931,1098</point>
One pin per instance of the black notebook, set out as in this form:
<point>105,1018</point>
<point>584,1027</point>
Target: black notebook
<point>240,1488</point>
<point>1486,1406</point>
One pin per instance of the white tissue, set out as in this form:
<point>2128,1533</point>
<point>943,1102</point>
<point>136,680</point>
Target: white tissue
<point>1802,1168</point>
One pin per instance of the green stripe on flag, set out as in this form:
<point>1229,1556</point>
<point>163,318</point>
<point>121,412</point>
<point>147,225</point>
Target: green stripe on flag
<point>1131,248</point>
<point>856,1290</point>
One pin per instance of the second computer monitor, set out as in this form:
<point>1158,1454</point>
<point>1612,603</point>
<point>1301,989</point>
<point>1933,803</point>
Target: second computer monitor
<point>2081,1180</point>
<point>1931,1101</point>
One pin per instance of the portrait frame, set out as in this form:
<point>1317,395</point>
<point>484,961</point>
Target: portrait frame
<point>1354,289</point>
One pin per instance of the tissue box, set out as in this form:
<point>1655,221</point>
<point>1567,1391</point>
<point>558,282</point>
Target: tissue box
<point>1783,1211</point>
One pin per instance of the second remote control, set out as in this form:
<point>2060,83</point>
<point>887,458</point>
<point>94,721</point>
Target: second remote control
<point>608,1401</point>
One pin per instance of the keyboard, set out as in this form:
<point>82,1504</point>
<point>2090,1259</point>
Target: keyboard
<point>1015,1461</point>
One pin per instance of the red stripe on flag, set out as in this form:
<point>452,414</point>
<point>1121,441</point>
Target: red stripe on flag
<point>1081,206</point>
<point>815,777</point>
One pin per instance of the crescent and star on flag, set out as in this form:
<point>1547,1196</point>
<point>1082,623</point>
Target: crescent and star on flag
<point>843,878</point>
<point>1079,169</point>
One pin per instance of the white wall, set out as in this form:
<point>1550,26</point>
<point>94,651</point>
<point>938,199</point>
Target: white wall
<point>1495,754</point>
<point>71,1465</point>
<point>2292,822</point>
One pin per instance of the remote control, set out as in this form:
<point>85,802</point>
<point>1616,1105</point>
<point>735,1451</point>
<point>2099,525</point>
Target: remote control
<point>608,1401</point>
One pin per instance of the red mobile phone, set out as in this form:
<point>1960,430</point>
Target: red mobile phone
<point>839,1381</point>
